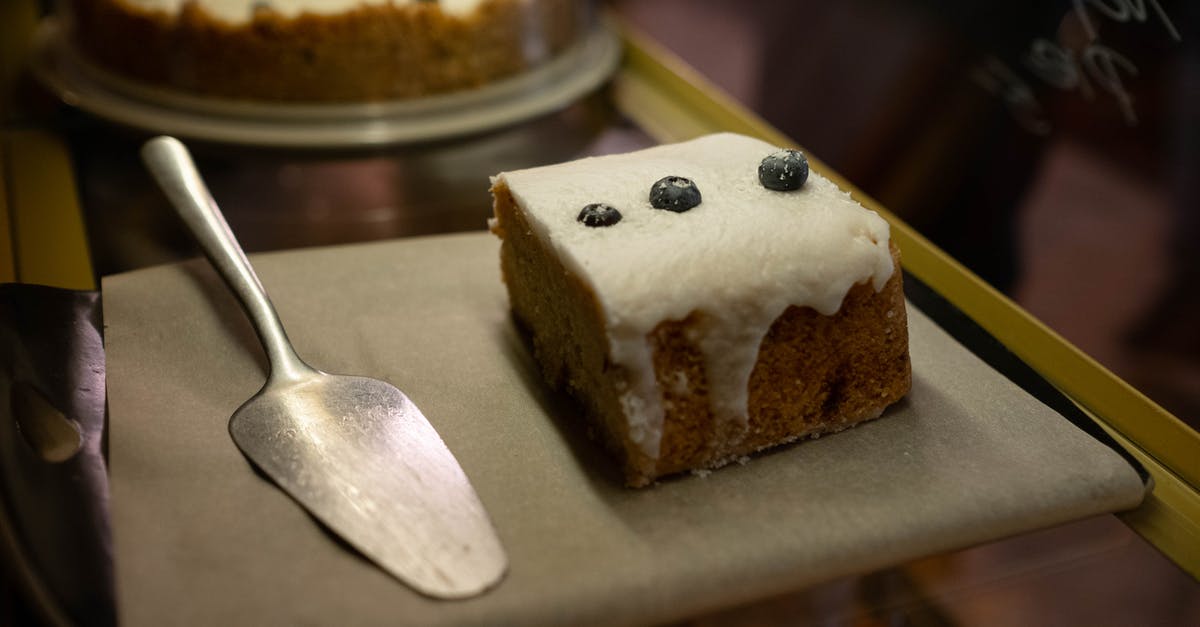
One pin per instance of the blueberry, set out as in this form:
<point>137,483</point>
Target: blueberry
<point>674,193</point>
<point>783,171</point>
<point>599,214</point>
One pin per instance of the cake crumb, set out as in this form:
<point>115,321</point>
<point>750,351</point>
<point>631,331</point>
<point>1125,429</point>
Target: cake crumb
<point>701,472</point>
<point>679,383</point>
<point>743,460</point>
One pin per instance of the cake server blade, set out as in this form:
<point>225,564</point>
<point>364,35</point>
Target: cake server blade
<point>355,452</point>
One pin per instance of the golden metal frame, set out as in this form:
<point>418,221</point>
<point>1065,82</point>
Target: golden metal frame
<point>673,102</point>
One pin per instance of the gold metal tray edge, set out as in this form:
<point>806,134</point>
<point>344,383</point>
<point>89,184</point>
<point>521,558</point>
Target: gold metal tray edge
<point>673,102</point>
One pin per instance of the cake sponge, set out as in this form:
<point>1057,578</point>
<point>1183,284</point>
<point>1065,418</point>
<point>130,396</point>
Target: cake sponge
<point>740,314</point>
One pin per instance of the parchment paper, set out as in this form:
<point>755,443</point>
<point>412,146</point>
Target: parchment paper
<point>202,539</point>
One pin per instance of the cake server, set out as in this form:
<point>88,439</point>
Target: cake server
<point>355,452</point>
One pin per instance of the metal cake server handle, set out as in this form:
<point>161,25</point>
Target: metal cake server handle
<point>355,452</point>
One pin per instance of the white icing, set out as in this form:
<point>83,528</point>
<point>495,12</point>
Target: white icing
<point>739,259</point>
<point>238,11</point>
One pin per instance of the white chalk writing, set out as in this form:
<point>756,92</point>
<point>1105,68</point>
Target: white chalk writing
<point>1096,68</point>
<point>1122,11</point>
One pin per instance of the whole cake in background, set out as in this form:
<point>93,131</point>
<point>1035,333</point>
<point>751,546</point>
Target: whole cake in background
<point>704,300</point>
<point>321,51</point>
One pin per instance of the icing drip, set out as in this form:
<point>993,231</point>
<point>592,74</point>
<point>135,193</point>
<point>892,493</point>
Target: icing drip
<point>738,259</point>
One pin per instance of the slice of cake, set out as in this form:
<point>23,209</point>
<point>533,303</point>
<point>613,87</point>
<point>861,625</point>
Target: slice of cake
<point>704,300</point>
<point>320,51</point>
